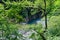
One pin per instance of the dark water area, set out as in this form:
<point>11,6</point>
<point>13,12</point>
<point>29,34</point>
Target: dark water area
<point>34,21</point>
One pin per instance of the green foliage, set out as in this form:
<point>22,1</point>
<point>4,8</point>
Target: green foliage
<point>54,7</point>
<point>8,30</point>
<point>54,25</point>
<point>38,30</point>
<point>16,12</point>
<point>53,31</point>
<point>36,36</point>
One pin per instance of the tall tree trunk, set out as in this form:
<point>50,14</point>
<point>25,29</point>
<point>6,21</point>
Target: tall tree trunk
<point>45,15</point>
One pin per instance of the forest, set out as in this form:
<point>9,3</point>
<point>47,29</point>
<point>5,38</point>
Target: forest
<point>29,19</point>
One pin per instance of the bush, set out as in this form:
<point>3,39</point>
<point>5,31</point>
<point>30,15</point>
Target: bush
<point>53,31</point>
<point>9,31</point>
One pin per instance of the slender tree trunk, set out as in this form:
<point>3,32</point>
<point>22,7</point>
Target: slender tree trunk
<point>42,34</point>
<point>45,15</point>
